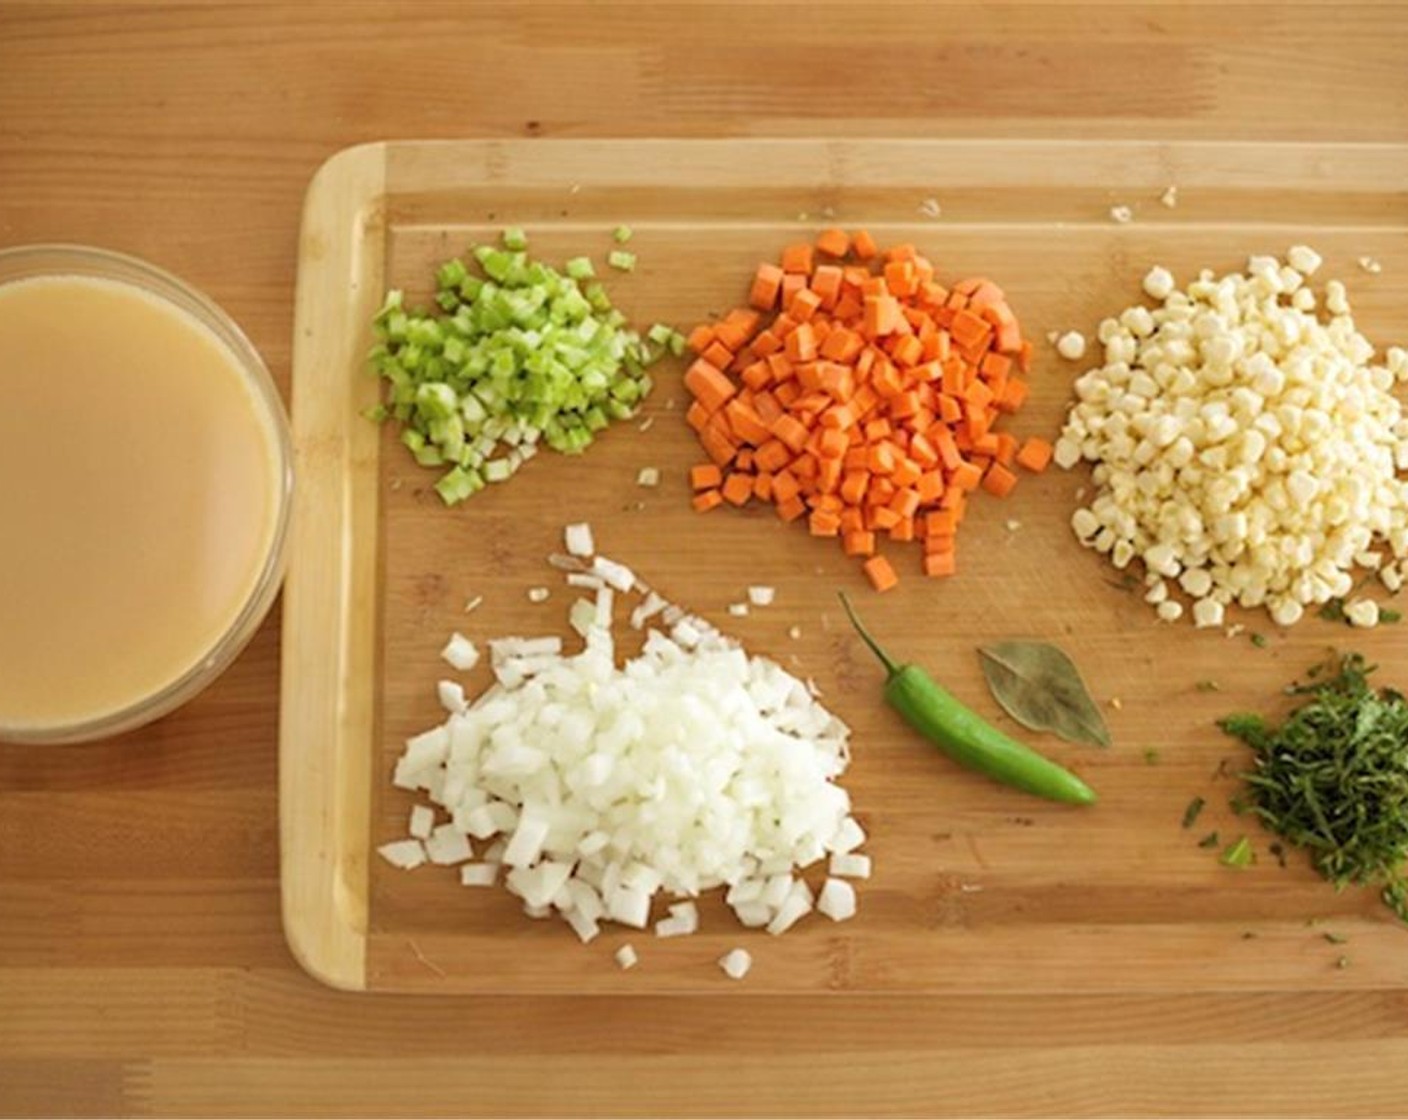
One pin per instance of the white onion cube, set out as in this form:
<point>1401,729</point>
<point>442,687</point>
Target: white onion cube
<point>422,821</point>
<point>537,885</point>
<point>736,963</point>
<point>796,906</point>
<point>478,874</point>
<point>451,695</point>
<point>629,906</point>
<point>683,921</point>
<point>837,900</point>
<point>754,915</point>
<point>618,576</point>
<point>428,749</point>
<point>848,838</point>
<point>578,539</point>
<point>584,927</point>
<point>526,844</point>
<point>460,652</point>
<point>850,865</point>
<point>448,845</point>
<point>404,854</point>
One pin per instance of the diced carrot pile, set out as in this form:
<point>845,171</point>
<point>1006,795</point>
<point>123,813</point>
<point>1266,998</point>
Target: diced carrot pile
<point>858,392</point>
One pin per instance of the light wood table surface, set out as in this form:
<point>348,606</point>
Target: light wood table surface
<point>142,966</point>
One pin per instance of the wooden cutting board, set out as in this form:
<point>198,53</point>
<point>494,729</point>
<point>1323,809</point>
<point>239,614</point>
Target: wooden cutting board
<point>976,887</point>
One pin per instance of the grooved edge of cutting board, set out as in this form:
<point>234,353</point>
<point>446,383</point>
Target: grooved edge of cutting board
<point>327,717</point>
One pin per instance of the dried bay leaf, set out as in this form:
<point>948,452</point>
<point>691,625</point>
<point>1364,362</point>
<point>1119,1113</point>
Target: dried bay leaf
<point>1041,688</point>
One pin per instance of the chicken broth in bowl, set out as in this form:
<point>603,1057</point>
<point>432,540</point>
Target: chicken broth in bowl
<point>144,483</point>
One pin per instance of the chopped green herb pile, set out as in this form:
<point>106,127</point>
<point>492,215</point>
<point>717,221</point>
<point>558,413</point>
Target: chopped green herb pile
<point>1333,779</point>
<point>517,356</point>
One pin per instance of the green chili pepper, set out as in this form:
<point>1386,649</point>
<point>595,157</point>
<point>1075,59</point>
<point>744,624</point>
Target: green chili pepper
<point>965,736</point>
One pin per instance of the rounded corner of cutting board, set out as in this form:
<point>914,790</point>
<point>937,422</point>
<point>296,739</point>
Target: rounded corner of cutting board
<point>350,165</point>
<point>326,944</point>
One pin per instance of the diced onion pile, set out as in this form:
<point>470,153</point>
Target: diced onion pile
<point>596,788</point>
<point>1246,450</point>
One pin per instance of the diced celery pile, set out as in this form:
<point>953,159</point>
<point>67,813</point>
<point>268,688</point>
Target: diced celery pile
<point>518,356</point>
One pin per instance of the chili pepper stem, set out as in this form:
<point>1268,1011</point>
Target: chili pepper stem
<point>890,667</point>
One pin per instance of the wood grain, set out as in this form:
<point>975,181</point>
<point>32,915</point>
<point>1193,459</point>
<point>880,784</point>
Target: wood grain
<point>144,972</point>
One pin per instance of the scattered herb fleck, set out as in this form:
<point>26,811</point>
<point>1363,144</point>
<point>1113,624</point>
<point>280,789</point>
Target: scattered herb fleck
<point>1333,611</point>
<point>1208,686</point>
<point>1208,841</point>
<point>1279,851</point>
<point>1259,640</point>
<point>1151,756</point>
<point>1388,614</point>
<point>1190,814</point>
<point>1335,938</point>
<point>1239,854</point>
<point>1238,804</point>
<point>1342,962</point>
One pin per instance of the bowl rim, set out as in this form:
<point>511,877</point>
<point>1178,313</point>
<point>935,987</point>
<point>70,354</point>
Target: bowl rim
<point>65,259</point>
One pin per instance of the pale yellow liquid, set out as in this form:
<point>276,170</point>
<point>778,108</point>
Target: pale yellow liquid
<point>139,492</point>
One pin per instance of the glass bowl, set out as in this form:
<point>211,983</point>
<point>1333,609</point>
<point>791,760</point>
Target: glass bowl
<point>62,261</point>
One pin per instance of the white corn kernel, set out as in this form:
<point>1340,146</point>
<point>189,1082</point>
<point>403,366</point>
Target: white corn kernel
<point>1158,282</point>
<point>1207,613</point>
<point>1071,346</point>
<point>1304,259</point>
<point>1362,612</point>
